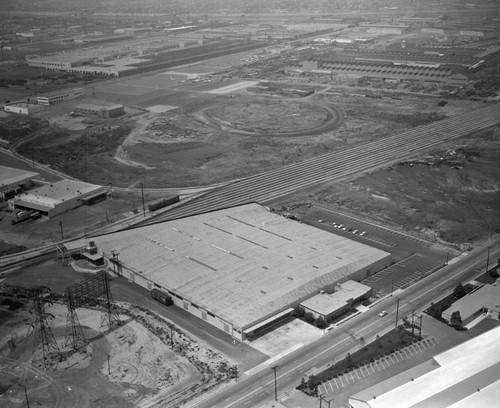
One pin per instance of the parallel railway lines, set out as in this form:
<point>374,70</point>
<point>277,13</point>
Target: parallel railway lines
<point>277,183</point>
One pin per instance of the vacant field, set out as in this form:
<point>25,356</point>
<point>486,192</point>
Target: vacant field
<point>131,365</point>
<point>207,138</point>
<point>450,195</point>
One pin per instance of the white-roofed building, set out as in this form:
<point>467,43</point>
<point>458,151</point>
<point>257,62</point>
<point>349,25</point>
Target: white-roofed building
<point>242,268</point>
<point>57,198</point>
<point>465,376</point>
<point>14,180</point>
<point>484,300</point>
<point>330,305</point>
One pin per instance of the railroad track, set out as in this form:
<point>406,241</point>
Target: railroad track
<point>277,183</point>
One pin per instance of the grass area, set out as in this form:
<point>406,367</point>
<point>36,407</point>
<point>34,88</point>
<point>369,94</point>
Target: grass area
<point>75,154</point>
<point>386,344</point>
<point>7,248</point>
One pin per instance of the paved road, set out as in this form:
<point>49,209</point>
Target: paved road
<point>257,390</point>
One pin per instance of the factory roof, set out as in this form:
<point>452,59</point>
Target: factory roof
<point>10,176</point>
<point>325,303</point>
<point>99,105</point>
<point>464,376</point>
<point>52,194</point>
<point>244,263</point>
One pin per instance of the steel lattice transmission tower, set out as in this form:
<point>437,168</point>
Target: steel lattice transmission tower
<point>44,344</point>
<point>74,331</point>
<point>109,316</point>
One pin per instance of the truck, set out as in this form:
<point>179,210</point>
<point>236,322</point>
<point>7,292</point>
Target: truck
<point>162,297</point>
<point>162,202</point>
<point>22,216</point>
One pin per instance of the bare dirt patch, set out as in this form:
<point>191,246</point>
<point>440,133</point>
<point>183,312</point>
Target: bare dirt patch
<point>212,138</point>
<point>143,368</point>
<point>450,195</point>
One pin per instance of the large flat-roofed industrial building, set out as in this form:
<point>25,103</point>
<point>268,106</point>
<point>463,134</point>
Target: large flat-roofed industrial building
<point>240,269</point>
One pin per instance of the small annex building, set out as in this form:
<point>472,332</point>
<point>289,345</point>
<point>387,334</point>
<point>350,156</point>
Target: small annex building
<point>240,269</point>
<point>14,181</point>
<point>101,110</point>
<point>464,376</point>
<point>330,305</point>
<point>57,198</point>
<point>484,300</point>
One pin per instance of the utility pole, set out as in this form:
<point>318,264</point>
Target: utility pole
<point>62,235</point>
<point>26,395</point>
<point>397,312</point>
<point>142,193</point>
<point>171,337</point>
<point>274,368</point>
<point>420,327</point>
<point>412,321</point>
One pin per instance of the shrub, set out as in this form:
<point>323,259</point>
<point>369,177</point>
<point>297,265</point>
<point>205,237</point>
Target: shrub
<point>309,317</point>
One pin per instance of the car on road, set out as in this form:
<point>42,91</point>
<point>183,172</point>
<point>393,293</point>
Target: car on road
<point>321,221</point>
<point>383,313</point>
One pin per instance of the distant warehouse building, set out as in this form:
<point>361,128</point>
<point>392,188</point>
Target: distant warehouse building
<point>241,269</point>
<point>22,108</point>
<point>57,198</point>
<point>59,96</point>
<point>103,111</point>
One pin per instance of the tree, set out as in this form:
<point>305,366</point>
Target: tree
<point>299,312</point>
<point>311,382</point>
<point>456,319</point>
<point>309,317</point>
<point>459,291</point>
<point>348,360</point>
<point>320,323</point>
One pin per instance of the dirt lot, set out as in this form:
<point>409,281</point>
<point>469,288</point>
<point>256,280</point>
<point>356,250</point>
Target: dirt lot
<point>210,138</point>
<point>131,365</point>
<point>450,195</point>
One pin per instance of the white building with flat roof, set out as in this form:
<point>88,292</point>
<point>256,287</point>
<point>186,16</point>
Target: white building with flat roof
<point>57,198</point>
<point>239,269</point>
<point>464,376</point>
<point>12,180</point>
<point>330,305</point>
<point>60,96</point>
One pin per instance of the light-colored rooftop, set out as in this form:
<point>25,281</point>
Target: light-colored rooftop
<point>10,176</point>
<point>485,296</point>
<point>244,263</point>
<point>454,378</point>
<point>99,105</point>
<point>325,303</point>
<point>52,194</point>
